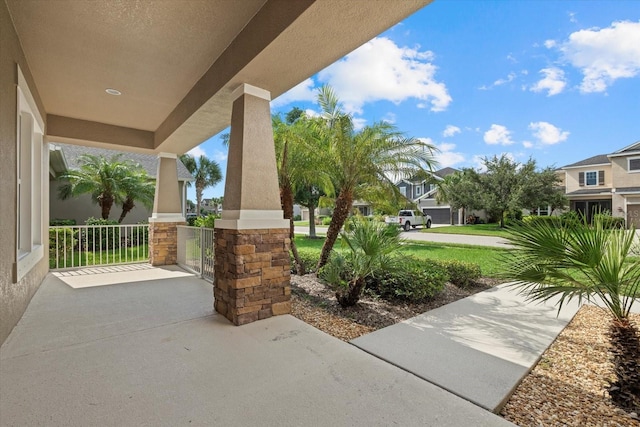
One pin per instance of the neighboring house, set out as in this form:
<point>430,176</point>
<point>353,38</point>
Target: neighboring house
<point>423,194</point>
<point>606,182</point>
<point>63,157</point>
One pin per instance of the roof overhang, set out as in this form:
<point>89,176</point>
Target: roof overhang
<point>586,166</point>
<point>176,63</point>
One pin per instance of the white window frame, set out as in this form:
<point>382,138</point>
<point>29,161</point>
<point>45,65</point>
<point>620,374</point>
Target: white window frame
<point>418,190</point>
<point>629,164</point>
<point>586,180</point>
<point>403,191</point>
<point>31,169</point>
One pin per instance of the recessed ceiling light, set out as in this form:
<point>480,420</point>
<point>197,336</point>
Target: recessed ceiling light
<point>113,91</point>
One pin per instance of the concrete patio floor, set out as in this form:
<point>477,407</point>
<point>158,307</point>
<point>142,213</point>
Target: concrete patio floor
<point>144,347</point>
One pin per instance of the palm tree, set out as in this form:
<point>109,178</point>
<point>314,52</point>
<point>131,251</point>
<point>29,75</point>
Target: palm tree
<point>206,172</point>
<point>371,248</point>
<point>104,179</point>
<point>577,260</point>
<point>138,186</point>
<point>296,166</point>
<point>374,156</point>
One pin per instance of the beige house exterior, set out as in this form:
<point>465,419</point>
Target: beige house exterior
<point>606,182</point>
<point>160,78</point>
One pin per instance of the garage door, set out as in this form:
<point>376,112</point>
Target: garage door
<point>441,215</point>
<point>633,214</point>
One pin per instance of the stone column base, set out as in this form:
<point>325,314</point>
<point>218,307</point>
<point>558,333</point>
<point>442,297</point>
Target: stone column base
<point>252,274</point>
<point>163,242</point>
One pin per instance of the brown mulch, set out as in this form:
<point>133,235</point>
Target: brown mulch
<point>568,387</point>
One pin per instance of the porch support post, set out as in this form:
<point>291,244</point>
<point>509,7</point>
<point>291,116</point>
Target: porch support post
<point>167,213</point>
<point>252,242</point>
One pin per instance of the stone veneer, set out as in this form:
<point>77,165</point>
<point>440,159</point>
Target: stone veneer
<point>163,242</point>
<point>252,273</point>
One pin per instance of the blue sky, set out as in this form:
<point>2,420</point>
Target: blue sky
<point>558,81</point>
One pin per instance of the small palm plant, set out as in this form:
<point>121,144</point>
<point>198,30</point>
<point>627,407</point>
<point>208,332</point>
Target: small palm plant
<point>590,262</point>
<point>371,248</point>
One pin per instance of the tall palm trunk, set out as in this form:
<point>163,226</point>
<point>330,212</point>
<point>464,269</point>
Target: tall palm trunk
<point>286,199</point>
<point>625,349</point>
<point>340,215</point>
<point>105,201</point>
<point>312,221</point>
<point>126,208</point>
<point>199,190</point>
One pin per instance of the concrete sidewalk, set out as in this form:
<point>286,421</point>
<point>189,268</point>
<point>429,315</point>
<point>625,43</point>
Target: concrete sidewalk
<point>152,352</point>
<point>478,348</point>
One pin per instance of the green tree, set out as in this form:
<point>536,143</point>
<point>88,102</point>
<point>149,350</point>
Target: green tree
<point>295,163</point>
<point>206,172</point>
<point>377,155</point>
<point>106,180</point>
<point>508,185</point>
<point>460,190</point>
<point>138,186</point>
<point>575,260</point>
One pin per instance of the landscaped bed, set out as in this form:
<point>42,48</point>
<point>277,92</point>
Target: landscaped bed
<point>567,388</point>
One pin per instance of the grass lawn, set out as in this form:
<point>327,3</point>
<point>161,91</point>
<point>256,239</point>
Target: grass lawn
<point>301,223</point>
<point>80,259</point>
<point>487,258</point>
<point>472,229</point>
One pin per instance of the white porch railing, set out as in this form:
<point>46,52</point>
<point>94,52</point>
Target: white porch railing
<point>196,250</point>
<point>93,245</point>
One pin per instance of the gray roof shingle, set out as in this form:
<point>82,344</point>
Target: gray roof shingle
<point>595,160</point>
<point>445,172</point>
<point>149,162</point>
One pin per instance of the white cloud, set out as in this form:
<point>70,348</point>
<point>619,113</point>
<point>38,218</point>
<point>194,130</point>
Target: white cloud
<point>508,79</point>
<point>382,70</point>
<point>445,154</point>
<point>550,43</point>
<point>359,123</point>
<point>304,91</point>
<point>220,156</point>
<point>389,118</point>
<point>547,133</point>
<point>604,55</point>
<point>450,130</point>
<point>572,17</point>
<point>498,134</point>
<point>311,113</point>
<point>197,152</point>
<point>527,144</point>
<point>553,82</point>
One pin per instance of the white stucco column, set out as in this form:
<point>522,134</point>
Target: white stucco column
<point>166,203</point>
<point>251,193</point>
<point>252,271</point>
<point>167,213</point>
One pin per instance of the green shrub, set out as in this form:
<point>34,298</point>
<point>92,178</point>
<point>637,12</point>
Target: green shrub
<point>138,234</point>
<point>62,222</point>
<point>308,257</point>
<point>206,221</point>
<point>337,272</point>
<point>462,274</point>
<point>297,218</point>
<point>101,237</point>
<point>326,220</point>
<point>191,220</point>
<point>413,280</point>
<point>61,241</point>
<point>608,221</point>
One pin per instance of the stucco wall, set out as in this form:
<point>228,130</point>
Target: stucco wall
<point>572,176</point>
<point>621,175</point>
<point>14,297</point>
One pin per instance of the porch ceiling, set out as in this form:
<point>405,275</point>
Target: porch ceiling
<point>176,62</point>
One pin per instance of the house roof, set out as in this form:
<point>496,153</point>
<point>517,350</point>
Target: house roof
<point>600,159</point>
<point>628,190</point>
<point>149,162</point>
<point>629,149</point>
<point>445,172</point>
<point>590,191</point>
